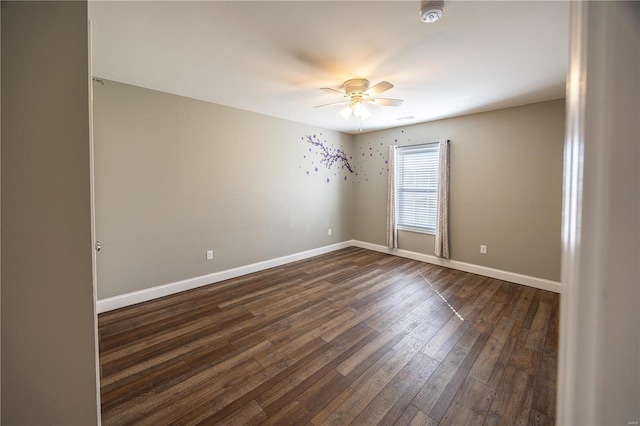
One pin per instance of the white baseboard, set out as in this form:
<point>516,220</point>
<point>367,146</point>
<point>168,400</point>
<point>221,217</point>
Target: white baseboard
<point>513,277</point>
<point>129,299</point>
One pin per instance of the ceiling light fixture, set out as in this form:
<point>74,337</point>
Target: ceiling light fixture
<point>431,10</point>
<point>358,110</point>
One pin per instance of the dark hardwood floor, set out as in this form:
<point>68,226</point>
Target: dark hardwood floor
<point>350,337</point>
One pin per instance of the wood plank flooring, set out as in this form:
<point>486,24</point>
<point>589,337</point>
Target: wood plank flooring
<point>353,337</point>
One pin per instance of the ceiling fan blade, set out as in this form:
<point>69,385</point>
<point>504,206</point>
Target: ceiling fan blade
<point>332,91</point>
<point>383,86</point>
<point>333,103</point>
<point>385,101</point>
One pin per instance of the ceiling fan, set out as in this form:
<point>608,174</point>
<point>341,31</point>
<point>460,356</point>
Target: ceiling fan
<point>358,92</point>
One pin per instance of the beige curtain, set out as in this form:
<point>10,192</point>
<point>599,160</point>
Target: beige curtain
<point>392,230</point>
<point>442,226</point>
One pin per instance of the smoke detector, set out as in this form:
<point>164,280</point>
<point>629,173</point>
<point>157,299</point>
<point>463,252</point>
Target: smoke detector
<point>431,10</point>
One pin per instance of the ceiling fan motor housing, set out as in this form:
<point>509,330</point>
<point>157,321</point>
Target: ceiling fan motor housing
<point>356,86</point>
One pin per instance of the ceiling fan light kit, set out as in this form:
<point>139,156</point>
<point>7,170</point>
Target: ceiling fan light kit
<point>355,110</point>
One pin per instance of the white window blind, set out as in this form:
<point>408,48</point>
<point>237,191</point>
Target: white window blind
<point>417,187</point>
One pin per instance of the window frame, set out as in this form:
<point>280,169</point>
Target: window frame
<point>433,148</point>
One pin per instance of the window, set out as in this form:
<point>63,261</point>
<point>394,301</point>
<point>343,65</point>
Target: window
<point>417,187</point>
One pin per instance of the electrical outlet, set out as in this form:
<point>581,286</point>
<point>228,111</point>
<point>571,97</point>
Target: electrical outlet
<point>483,249</point>
<point>209,254</point>
<point>329,231</point>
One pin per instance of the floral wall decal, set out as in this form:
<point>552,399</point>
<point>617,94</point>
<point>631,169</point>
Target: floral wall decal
<point>371,157</point>
<point>371,160</point>
<point>368,164</point>
<point>329,156</point>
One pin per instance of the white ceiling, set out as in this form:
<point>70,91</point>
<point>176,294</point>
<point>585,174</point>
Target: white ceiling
<point>271,57</point>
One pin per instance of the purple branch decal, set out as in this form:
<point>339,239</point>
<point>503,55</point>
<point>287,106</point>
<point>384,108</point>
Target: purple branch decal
<point>329,155</point>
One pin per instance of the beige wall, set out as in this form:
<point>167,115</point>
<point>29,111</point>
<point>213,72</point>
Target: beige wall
<point>506,187</point>
<point>176,177</point>
<point>48,348</point>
